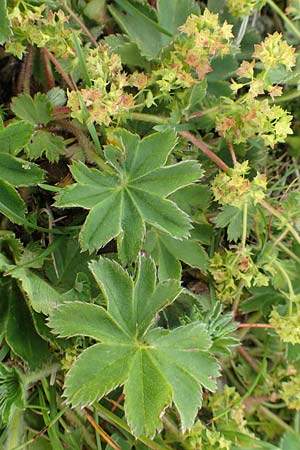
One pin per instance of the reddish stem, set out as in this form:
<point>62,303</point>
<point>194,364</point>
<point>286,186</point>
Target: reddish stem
<point>81,24</point>
<point>203,147</point>
<point>232,152</point>
<point>58,67</point>
<point>248,358</point>
<point>114,406</point>
<point>101,432</point>
<point>203,113</point>
<point>61,110</point>
<point>25,74</point>
<point>48,70</point>
<point>271,398</point>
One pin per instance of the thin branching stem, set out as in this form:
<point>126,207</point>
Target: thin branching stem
<point>80,23</point>
<point>60,70</point>
<point>204,148</point>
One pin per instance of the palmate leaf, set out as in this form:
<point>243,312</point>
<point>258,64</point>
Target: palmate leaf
<point>232,218</point>
<point>153,30</point>
<point>19,172</point>
<point>15,136</point>
<point>35,110</point>
<point>11,392</point>
<point>156,366</point>
<point>135,194</point>
<point>46,143</point>
<point>168,252</point>
<point>42,296</point>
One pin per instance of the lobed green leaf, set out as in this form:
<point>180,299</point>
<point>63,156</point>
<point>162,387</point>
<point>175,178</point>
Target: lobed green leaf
<point>19,172</point>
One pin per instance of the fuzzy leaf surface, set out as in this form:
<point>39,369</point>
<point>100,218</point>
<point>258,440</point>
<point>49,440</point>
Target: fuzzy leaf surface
<point>153,30</point>
<point>15,136</point>
<point>148,37</point>
<point>11,392</point>
<point>137,190</point>
<point>11,204</point>
<point>103,366</point>
<point>4,22</point>
<point>46,143</point>
<point>168,251</point>
<point>147,393</point>
<point>19,330</point>
<point>172,19</point>
<point>35,110</point>
<point>184,361</point>
<point>42,296</point>
<point>19,172</point>
<point>155,366</point>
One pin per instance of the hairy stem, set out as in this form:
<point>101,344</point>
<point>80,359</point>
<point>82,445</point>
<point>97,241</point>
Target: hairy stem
<point>80,23</point>
<point>149,118</point>
<point>203,147</point>
<point>60,70</point>
<point>40,374</point>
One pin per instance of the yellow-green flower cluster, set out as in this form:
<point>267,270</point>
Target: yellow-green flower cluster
<point>287,327</point>
<point>38,26</point>
<point>229,268</point>
<point>107,97</point>
<point>275,51</point>
<point>253,118</point>
<point>272,53</point>
<point>229,400</point>
<point>290,393</point>
<point>242,8</point>
<point>202,438</point>
<point>201,39</point>
<point>248,117</point>
<point>233,188</point>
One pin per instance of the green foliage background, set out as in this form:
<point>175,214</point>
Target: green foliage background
<point>149,225</point>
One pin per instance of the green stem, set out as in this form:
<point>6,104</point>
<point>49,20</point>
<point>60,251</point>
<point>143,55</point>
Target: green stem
<point>171,427</point>
<point>245,217</point>
<point>149,118</point>
<point>98,439</point>
<point>286,250</point>
<point>282,219</point>
<point>79,425</point>
<point>15,429</point>
<point>288,22</point>
<point>92,129</point>
<point>115,420</point>
<point>40,374</point>
<point>247,394</point>
<point>274,418</point>
<point>289,283</point>
<point>80,23</point>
